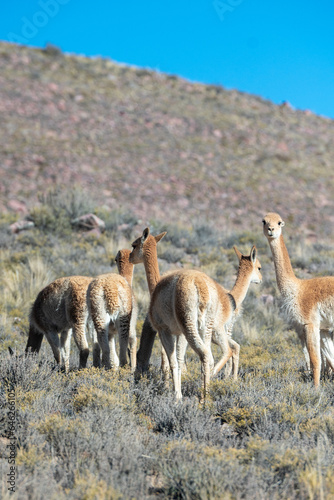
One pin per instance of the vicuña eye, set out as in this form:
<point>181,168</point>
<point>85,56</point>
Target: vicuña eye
<point>263,222</point>
<point>279,223</point>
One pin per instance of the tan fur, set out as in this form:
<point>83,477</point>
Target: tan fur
<point>145,251</point>
<point>309,304</point>
<point>124,267</point>
<point>60,308</point>
<point>113,307</point>
<point>188,302</point>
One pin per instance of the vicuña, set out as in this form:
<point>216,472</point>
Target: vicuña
<point>308,303</point>
<point>189,302</point>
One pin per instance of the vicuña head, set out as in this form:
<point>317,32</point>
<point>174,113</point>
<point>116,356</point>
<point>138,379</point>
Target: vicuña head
<point>272,225</point>
<point>143,245</point>
<point>250,264</point>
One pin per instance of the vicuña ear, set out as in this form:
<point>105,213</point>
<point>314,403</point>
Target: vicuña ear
<point>146,232</point>
<point>282,223</point>
<point>253,254</point>
<point>160,236</point>
<point>238,254</point>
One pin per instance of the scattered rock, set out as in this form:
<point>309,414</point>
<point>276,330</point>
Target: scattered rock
<point>4,443</point>
<point>54,87</point>
<point>89,222</point>
<point>228,430</point>
<point>20,225</point>
<point>282,146</point>
<point>267,299</point>
<point>39,159</point>
<point>206,167</point>
<point>17,206</point>
<point>52,50</point>
<point>124,227</point>
<point>62,105</point>
<point>311,237</point>
<point>285,104</point>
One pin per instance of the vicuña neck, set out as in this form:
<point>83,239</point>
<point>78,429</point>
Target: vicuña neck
<point>151,268</point>
<point>127,273</point>
<point>285,276</point>
<point>240,289</point>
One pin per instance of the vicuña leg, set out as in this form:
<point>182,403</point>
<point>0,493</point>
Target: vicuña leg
<point>114,360</point>
<point>312,336</point>
<point>65,347</point>
<point>96,346</point>
<point>234,361</point>
<point>53,339</point>
<point>327,350</point>
<point>133,350</point>
<point>145,347</point>
<point>81,341</point>
<point>181,347</point>
<point>169,343</point>
<point>123,329</point>
<point>223,341</point>
<point>102,336</point>
<point>203,350</point>
<point>302,337</point>
<point>164,364</point>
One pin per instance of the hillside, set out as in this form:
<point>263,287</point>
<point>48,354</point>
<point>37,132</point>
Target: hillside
<point>137,147</point>
<point>158,145</point>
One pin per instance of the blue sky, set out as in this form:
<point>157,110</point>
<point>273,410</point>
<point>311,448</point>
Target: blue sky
<point>281,50</point>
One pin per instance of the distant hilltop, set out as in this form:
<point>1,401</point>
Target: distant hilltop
<point>158,145</point>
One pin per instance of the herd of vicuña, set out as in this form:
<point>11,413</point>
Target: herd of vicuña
<point>186,307</point>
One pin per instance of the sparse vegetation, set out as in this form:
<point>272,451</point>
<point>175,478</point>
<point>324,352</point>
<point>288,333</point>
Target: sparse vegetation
<point>118,131</point>
<point>97,434</point>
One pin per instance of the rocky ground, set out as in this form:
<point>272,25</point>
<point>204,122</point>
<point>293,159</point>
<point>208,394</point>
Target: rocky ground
<point>158,145</point>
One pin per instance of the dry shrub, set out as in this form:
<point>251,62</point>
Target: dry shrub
<point>21,284</point>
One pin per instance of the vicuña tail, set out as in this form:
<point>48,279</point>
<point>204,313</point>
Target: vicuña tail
<point>34,340</point>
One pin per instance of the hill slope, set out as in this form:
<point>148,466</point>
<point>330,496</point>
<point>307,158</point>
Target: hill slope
<point>159,145</point>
